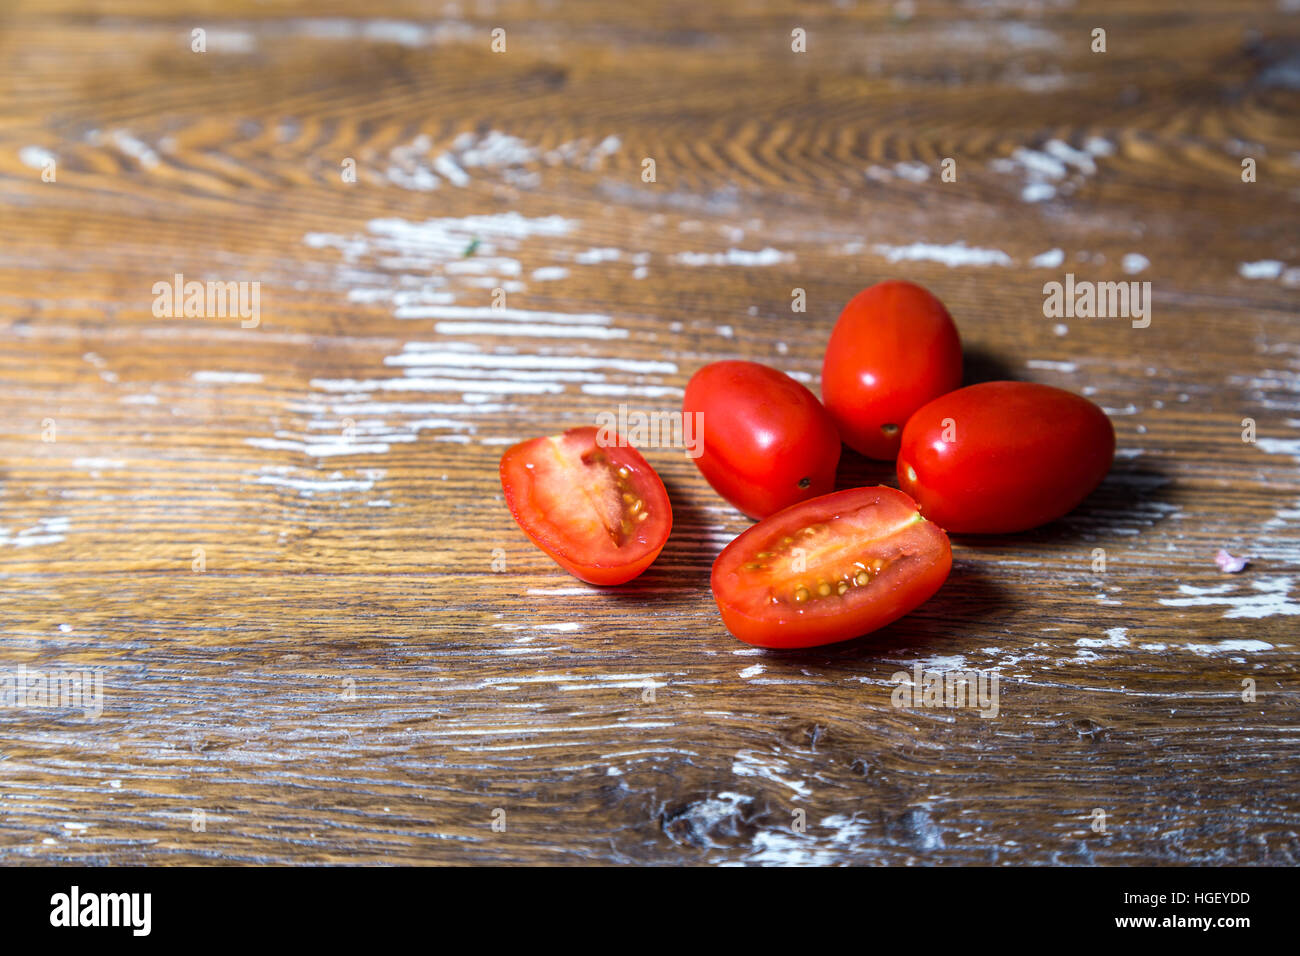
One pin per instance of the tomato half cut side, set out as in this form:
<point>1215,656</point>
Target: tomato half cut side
<point>830,569</point>
<point>597,508</point>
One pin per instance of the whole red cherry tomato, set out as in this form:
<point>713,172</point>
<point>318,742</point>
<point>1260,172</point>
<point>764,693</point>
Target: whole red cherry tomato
<point>829,569</point>
<point>1004,456</point>
<point>599,510</point>
<point>893,349</point>
<point>766,441</point>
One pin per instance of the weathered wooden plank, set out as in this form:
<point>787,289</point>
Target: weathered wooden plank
<point>340,675</point>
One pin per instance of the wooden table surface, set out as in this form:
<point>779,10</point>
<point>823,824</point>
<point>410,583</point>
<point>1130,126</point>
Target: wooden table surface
<point>280,543</point>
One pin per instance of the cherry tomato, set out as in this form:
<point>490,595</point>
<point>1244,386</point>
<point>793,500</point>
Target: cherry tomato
<point>893,349</point>
<point>599,510</point>
<point>766,440</point>
<point>830,569</point>
<point>1004,456</point>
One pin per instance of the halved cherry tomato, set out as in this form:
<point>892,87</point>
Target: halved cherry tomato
<point>599,510</point>
<point>1000,457</point>
<point>893,349</point>
<point>830,569</point>
<point>767,442</point>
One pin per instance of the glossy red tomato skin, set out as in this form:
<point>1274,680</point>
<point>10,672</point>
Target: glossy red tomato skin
<point>1020,455</point>
<point>526,497</point>
<point>894,348</point>
<point>916,554</point>
<point>767,442</point>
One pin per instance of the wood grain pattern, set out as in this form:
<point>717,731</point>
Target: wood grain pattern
<point>348,680</point>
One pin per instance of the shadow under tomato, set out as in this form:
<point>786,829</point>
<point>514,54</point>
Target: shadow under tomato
<point>979,366</point>
<point>859,471</point>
